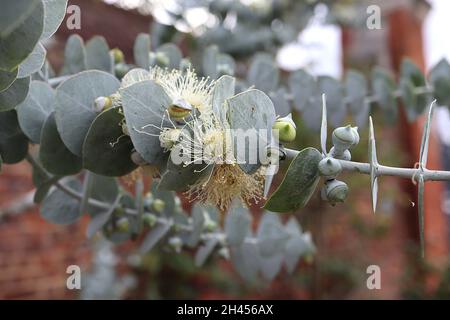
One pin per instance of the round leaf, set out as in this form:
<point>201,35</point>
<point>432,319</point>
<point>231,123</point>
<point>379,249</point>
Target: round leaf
<point>54,155</point>
<point>15,94</point>
<point>106,150</point>
<point>20,42</point>
<point>75,102</point>
<point>13,143</point>
<point>35,109</point>
<point>144,104</point>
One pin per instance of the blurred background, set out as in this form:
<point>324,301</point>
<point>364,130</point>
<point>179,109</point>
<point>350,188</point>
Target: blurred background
<point>323,37</point>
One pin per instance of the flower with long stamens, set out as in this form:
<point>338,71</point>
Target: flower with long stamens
<point>207,140</point>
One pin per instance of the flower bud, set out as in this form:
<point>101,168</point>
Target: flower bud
<point>117,55</point>
<point>121,70</point>
<point>159,58</point>
<point>224,252</point>
<point>336,191</point>
<point>210,225</point>
<point>102,103</point>
<point>345,138</point>
<point>345,155</point>
<point>286,129</point>
<point>176,243</point>
<point>149,219</point>
<point>158,205</point>
<point>179,109</point>
<point>329,167</point>
<point>123,225</point>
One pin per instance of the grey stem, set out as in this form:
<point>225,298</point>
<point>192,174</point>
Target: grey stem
<point>104,205</point>
<point>410,173</point>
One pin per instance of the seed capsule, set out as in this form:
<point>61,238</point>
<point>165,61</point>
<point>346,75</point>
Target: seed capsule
<point>329,167</point>
<point>336,191</point>
<point>345,138</point>
<point>286,129</point>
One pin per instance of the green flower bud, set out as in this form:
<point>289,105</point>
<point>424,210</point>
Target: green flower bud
<point>176,243</point>
<point>158,205</point>
<point>224,252</point>
<point>137,159</point>
<point>123,225</point>
<point>159,58</point>
<point>102,103</point>
<point>286,129</point>
<point>121,70</point>
<point>336,191</point>
<point>345,138</point>
<point>329,167</point>
<point>117,55</point>
<point>210,225</point>
<point>345,155</point>
<point>179,109</point>
<point>149,219</point>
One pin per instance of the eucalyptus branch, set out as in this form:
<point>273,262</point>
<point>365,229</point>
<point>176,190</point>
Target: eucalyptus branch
<point>382,170</point>
<point>219,235</point>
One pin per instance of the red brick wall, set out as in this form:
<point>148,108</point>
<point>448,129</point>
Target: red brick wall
<point>34,254</point>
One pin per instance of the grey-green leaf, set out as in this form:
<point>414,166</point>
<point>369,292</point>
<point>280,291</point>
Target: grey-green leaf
<point>440,78</point>
<point>15,94</point>
<point>299,183</point>
<point>154,236</point>
<point>251,114</point>
<point>172,53</point>
<point>373,165</point>
<point>144,104</point>
<point>106,150</point>
<point>33,62</point>
<point>53,153</point>
<point>55,11</point>
<point>263,73</point>
<point>7,78</point>
<point>97,55</point>
<point>35,109</point>
<point>13,143</point>
<point>302,86</point>
<point>74,56</point>
<point>16,45</point>
<point>60,208</point>
<point>142,51</point>
<point>356,92</point>
<point>237,226</point>
<point>14,13</point>
<point>75,105</point>
<point>271,235</point>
